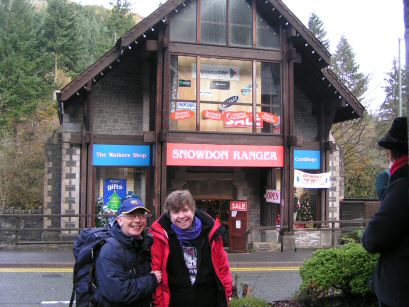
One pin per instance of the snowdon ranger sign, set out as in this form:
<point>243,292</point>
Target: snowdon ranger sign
<point>224,155</point>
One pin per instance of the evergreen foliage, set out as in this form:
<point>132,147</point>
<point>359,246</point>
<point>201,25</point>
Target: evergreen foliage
<point>23,78</point>
<point>347,70</point>
<point>337,272</point>
<point>316,26</point>
<point>390,107</point>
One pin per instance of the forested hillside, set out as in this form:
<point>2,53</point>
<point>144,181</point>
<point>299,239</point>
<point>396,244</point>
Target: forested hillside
<point>43,45</point>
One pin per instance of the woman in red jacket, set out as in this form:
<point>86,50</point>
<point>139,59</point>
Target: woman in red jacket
<point>188,249</point>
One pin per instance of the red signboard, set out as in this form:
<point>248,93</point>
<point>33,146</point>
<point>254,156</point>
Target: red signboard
<point>213,115</point>
<point>182,114</point>
<point>238,205</point>
<point>224,155</point>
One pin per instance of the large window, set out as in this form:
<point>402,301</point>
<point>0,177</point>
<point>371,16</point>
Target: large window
<point>226,102</point>
<point>225,25</point>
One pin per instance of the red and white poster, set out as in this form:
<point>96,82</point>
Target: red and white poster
<point>240,119</point>
<point>182,114</point>
<point>311,181</point>
<point>238,205</point>
<point>224,155</point>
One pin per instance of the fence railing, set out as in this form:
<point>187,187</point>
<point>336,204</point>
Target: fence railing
<point>15,229</point>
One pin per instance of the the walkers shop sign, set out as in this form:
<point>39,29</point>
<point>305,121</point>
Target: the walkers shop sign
<point>224,155</point>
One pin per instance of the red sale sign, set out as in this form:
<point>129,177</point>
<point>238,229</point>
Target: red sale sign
<point>224,155</point>
<point>238,205</point>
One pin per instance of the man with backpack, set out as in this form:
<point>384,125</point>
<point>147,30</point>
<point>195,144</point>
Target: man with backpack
<point>122,269</point>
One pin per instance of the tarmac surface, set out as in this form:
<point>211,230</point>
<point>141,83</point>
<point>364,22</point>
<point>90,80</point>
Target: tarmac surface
<point>60,256</point>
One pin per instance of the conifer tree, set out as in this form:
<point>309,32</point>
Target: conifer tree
<point>62,37</point>
<point>22,73</point>
<point>390,107</point>
<point>316,26</point>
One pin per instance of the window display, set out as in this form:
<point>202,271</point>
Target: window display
<point>226,95</point>
<point>113,184</point>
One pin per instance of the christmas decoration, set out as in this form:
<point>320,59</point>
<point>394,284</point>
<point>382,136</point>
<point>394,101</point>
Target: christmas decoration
<point>305,213</point>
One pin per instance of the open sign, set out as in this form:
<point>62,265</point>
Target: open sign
<point>238,205</point>
<point>273,196</point>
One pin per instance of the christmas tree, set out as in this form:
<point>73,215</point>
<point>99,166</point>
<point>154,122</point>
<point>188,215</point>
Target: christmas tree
<point>304,214</point>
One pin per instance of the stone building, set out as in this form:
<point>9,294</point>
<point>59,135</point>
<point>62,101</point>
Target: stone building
<point>172,106</point>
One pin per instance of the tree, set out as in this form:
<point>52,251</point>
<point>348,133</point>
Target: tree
<point>390,107</point>
<point>344,65</point>
<point>316,26</point>
<point>357,139</point>
<point>62,37</point>
<point>22,71</point>
<point>120,19</point>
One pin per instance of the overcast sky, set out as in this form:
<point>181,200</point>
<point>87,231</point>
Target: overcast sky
<point>372,27</point>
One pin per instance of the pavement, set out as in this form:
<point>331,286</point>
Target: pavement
<point>59,256</point>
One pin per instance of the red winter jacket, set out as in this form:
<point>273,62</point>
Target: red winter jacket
<point>160,253</point>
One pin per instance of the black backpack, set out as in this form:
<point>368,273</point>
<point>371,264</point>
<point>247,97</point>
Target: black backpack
<point>86,249</point>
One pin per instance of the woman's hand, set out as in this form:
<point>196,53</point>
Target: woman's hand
<point>158,275</point>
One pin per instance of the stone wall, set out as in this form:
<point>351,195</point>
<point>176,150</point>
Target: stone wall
<point>118,100</point>
<point>305,123</point>
<point>22,224</point>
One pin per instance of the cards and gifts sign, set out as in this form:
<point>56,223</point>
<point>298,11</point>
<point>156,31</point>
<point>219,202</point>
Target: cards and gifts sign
<point>311,181</point>
<point>114,191</point>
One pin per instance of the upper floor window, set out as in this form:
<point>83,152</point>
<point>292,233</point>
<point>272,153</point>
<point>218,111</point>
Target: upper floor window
<point>225,23</point>
<point>183,24</point>
<point>213,22</point>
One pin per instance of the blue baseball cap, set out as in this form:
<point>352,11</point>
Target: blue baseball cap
<point>131,204</point>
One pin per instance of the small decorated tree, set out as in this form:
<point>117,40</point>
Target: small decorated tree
<point>305,213</point>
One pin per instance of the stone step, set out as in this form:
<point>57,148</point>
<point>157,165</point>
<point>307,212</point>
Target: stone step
<point>266,246</point>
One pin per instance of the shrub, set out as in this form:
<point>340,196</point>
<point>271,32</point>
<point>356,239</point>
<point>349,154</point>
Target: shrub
<point>352,237</point>
<point>249,301</point>
<point>336,272</point>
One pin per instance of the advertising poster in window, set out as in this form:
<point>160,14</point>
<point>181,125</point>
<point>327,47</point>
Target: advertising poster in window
<point>114,191</point>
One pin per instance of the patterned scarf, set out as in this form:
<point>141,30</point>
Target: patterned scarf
<point>190,234</point>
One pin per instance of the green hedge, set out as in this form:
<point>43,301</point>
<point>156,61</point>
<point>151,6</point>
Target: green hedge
<point>337,272</point>
<point>249,301</point>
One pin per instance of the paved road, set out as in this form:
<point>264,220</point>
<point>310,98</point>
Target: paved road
<point>27,287</point>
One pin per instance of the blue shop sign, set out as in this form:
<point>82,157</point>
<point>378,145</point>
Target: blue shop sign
<point>121,155</point>
<point>307,159</point>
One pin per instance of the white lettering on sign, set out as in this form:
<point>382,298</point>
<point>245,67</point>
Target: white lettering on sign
<point>254,155</point>
<point>238,205</point>
<point>200,154</point>
<point>273,196</point>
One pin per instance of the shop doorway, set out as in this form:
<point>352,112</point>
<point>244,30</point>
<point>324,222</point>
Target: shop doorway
<point>217,209</point>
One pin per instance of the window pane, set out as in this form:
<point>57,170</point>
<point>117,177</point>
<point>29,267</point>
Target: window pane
<point>182,115</point>
<point>225,95</point>
<point>213,22</point>
<point>268,36</point>
<point>183,24</point>
<point>241,23</point>
<point>269,97</point>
